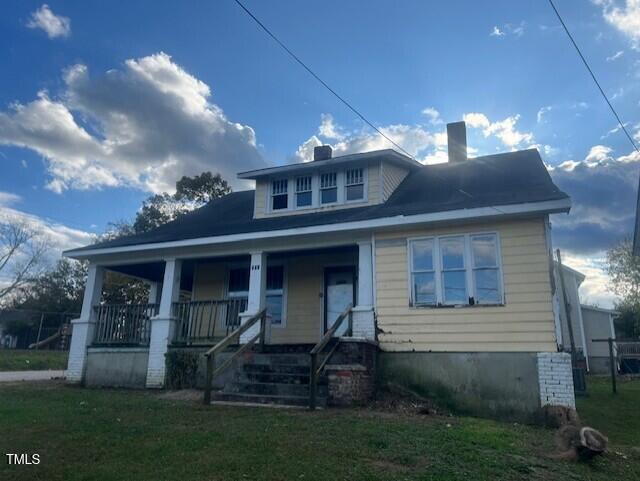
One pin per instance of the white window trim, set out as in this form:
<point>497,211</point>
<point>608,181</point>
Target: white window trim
<point>470,283</point>
<point>285,277</point>
<point>339,180</point>
<point>272,195</point>
<point>365,186</point>
<point>295,193</point>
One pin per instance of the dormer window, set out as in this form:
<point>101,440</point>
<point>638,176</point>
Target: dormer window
<point>303,191</point>
<point>354,185</point>
<point>329,188</point>
<point>279,194</point>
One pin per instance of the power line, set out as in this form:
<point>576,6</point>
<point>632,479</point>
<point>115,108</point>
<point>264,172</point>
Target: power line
<point>314,75</point>
<point>586,64</point>
<point>339,97</point>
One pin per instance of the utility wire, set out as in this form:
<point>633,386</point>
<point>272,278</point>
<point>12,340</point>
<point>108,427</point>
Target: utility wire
<point>314,75</point>
<point>338,96</point>
<point>593,76</point>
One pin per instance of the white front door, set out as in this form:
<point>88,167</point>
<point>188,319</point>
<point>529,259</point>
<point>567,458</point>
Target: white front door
<point>339,289</point>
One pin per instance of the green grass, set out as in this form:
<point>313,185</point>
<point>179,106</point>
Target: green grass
<point>122,435</point>
<point>30,360</point>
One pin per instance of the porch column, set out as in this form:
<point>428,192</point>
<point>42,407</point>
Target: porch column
<point>162,325</point>
<point>84,327</point>
<point>363,315</point>
<point>257,287</point>
<point>154,292</point>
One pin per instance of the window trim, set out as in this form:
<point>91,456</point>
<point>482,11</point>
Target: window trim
<point>272,195</point>
<point>470,282</point>
<point>296,192</point>
<point>365,186</point>
<point>320,188</point>
<point>283,321</point>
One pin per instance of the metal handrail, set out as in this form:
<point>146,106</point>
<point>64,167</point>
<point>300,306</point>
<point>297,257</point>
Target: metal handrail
<point>201,322</point>
<point>314,369</point>
<point>212,371</point>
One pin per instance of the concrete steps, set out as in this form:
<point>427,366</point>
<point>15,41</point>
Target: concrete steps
<point>273,378</point>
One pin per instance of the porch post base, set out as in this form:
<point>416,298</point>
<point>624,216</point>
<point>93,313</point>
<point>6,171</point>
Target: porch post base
<point>82,334</point>
<point>250,333</point>
<point>364,326</point>
<point>161,334</point>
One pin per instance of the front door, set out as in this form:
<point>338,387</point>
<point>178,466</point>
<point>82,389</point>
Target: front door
<point>339,288</point>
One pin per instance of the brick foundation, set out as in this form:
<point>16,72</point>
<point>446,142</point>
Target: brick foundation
<point>555,378</point>
<point>349,385</point>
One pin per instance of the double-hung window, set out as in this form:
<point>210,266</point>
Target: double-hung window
<point>455,270</point>
<point>486,269</point>
<point>328,188</point>
<point>354,184</point>
<point>423,280</point>
<point>275,294</point>
<point>279,194</point>
<point>303,191</point>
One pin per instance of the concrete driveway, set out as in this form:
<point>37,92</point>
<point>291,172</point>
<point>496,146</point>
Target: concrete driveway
<point>17,376</point>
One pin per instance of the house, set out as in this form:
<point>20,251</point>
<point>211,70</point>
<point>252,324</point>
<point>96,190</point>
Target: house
<point>447,268</point>
<point>588,324</point>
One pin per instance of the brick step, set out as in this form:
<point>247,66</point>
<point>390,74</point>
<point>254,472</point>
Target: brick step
<point>252,367</point>
<point>267,399</point>
<point>272,388</point>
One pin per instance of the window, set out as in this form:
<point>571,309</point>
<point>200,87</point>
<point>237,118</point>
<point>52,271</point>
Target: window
<point>423,281</point>
<point>275,294</point>
<point>303,191</point>
<point>279,194</point>
<point>354,185</point>
<point>328,188</point>
<point>454,282</point>
<point>455,270</point>
<point>486,271</point>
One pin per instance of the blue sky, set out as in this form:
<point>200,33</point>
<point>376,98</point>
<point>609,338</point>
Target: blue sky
<point>103,103</point>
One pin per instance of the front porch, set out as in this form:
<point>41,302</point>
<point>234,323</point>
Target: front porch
<point>194,303</point>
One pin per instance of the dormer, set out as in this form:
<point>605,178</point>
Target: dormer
<point>329,183</point>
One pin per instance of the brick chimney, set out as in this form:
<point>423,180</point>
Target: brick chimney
<point>322,152</point>
<point>457,141</point>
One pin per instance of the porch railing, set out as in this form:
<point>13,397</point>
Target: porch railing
<point>123,324</point>
<point>314,368</point>
<point>202,322</point>
<point>214,371</point>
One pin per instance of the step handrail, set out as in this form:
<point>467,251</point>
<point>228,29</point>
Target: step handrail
<point>314,369</point>
<point>212,371</point>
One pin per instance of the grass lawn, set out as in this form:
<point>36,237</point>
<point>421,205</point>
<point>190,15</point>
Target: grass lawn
<point>30,360</point>
<point>122,435</point>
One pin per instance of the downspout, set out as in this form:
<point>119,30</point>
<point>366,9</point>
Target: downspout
<point>585,349</point>
<point>555,300</point>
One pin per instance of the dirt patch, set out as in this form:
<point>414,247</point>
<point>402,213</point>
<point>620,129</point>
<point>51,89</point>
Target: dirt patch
<point>188,395</point>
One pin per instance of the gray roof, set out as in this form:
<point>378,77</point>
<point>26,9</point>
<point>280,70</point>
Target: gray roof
<point>493,180</point>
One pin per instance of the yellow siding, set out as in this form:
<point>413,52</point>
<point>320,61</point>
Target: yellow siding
<point>392,176</point>
<point>524,323</point>
<point>259,207</point>
<point>373,189</point>
<point>208,284</point>
<point>305,306</point>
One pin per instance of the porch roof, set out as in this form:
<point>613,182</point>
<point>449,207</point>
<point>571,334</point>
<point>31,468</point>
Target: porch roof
<point>490,181</point>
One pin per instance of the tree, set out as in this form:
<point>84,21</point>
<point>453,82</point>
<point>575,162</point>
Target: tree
<point>23,253</point>
<point>624,270</point>
<point>191,193</point>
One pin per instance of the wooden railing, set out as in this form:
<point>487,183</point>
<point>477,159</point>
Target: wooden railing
<point>123,323</point>
<point>201,322</point>
<point>315,369</point>
<point>234,337</point>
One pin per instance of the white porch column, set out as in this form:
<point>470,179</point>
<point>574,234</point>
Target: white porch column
<point>162,325</point>
<point>257,287</point>
<point>363,315</point>
<point>154,292</point>
<point>83,328</point>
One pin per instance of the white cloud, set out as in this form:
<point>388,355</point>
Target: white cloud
<point>329,129</point>
<point>505,130</point>
<point>594,290</point>
<point>615,56</point>
<point>54,25</point>
<point>142,126</point>
<point>542,112</point>
<point>7,198</point>
<point>624,16</point>
<point>508,29</point>
<point>433,115</point>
